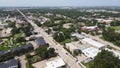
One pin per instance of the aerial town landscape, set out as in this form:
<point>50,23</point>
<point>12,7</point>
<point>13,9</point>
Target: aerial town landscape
<point>60,37</point>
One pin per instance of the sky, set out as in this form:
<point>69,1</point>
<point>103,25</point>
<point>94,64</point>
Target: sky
<point>27,3</point>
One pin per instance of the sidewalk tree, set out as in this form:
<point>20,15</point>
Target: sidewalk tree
<point>105,59</point>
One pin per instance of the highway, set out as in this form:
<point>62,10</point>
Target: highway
<point>69,59</point>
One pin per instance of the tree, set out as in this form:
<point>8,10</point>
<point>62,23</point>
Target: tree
<point>117,42</point>
<point>41,51</point>
<point>77,52</point>
<point>110,35</point>
<point>15,31</point>
<point>105,59</point>
<point>48,31</point>
<point>101,26</point>
<point>52,52</point>
<point>59,37</point>
<point>11,24</point>
<point>27,55</point>
<point>26,29</point>
<point>38,23</point>
<point>20,39</point>
<point>115,23</point>
<point>45,53</point>
<point>6,57</point>
<point>79,31</point>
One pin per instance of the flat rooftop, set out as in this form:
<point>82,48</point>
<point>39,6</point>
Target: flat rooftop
<point>49,62</point>
<point>90,52</point>
<point>94,43</point>
<point>82,47</point>
<point>80,36</point>
<point>55,63</point>
<point>71,45</point>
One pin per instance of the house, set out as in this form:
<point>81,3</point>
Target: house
<point>29,45</point>
<point>40,41</point>
<point>57,63</point>
<point>42,19</point>
<point>3,52</point>
<point>67,25</point>
<point>71,47</point>
<point>20,23</point>
<point>13,63</point>
<point>93,43</point>
<point>7,31</point>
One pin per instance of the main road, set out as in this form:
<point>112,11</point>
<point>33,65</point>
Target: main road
<point>69,59</point>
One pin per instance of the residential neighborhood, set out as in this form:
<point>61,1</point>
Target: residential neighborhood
<point>60,37</point>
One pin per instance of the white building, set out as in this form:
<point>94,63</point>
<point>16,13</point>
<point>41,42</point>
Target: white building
<point>57,63</point>
<point>78,35</point>
<point>94,43</point>
<point>71,47</point>
<point>104,20</point>
<point>90,52</point>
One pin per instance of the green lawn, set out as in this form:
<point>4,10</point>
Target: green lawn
<point>66,41</point>
<point>11,42</point>
<point>34,59</point>
<point>116,27</point>
<point>27,65</point>
<point>7,46</point>
<point>4,48</point>
<point>20,35</point>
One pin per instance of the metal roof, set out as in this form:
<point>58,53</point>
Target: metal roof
<point>13,63</point>
<point>40,41</point>
<point>94,43</point>
<point>22,47</point>
<point>3,52</point>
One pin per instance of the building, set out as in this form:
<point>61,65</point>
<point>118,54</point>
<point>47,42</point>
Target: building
<point>20,23</point>
<point>29,45</point>
<point>3,52</point>
<point>105,21</point>
<point>90,52</point>
<point>40,41</point>
<point>13,63</point>
<point>71,47</point>
<point>78,35</point>
<point>67,25</point>
<point>3,25</point>
<point>57,63</point>
<point>93,43</point>
<point>89,28</point>
<point>49,14</point>
<point>58,15</point>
